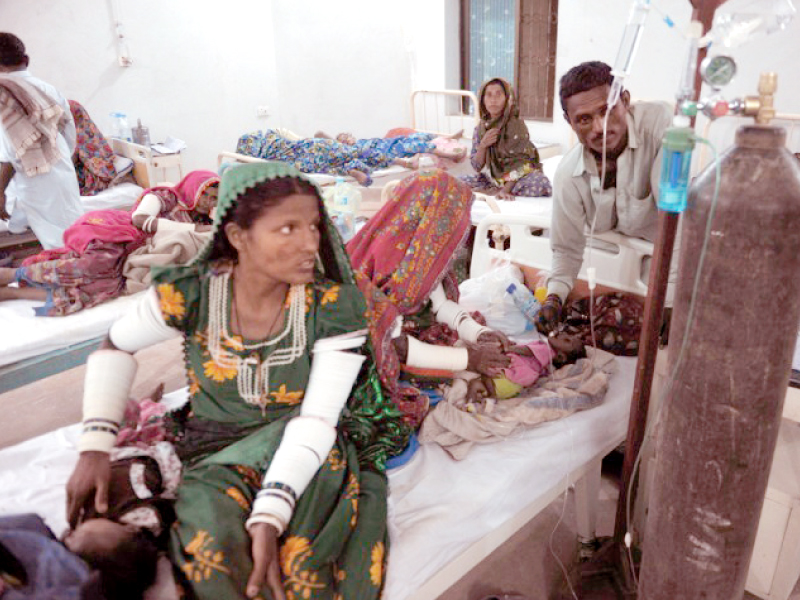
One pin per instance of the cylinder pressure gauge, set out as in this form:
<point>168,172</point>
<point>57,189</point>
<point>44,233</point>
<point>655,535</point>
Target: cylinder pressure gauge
<point>717,71</point>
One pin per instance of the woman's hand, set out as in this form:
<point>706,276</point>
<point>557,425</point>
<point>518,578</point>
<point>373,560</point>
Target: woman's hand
<point>489,139</point>
<point>89,481</point>
<point>486,359</point>
<point>266,565</point>
<point>495,339</point>
<point>505,192</point>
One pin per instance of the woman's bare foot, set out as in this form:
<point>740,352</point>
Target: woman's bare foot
<point>6,275</point>
<point>23,293</point>
<point>456,154</point>
<point>457,135</point>
<point>359,176</point>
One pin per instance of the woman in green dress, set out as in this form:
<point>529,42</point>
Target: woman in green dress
<point>286,432</point>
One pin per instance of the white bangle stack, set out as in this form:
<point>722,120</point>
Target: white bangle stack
<point>308,438</point>
<point>109,377</point>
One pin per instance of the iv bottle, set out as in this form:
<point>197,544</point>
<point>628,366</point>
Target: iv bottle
<point>346,199</point>
<point>119,126</point>
<point>524,300</point>
<point>738,22</point>
<point>676,161</point>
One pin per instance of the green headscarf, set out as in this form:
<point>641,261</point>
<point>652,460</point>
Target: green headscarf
<point>236,180</point>
<point>372,421</point>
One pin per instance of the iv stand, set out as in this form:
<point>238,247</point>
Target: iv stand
<point>611,560</point>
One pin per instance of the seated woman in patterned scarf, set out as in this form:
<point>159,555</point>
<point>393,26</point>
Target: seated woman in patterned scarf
<point>403,259</point>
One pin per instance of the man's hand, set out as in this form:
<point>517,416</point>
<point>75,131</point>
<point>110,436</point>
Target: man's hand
<point>549,315</point>
<point>266,565</point>
<point>88,482</point>
<point>489,139</point>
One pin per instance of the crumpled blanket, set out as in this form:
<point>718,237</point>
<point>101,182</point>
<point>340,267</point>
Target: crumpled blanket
<point>163,248</point>
<point>456,426</point>
<point>32,121</point>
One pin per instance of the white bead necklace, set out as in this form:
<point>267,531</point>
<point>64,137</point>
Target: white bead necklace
<point>252,375</point>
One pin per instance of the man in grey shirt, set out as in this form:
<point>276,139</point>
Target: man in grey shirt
<point>626,200</point>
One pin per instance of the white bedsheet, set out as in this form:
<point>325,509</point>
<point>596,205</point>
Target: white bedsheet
<point>438,507</point>
<point>25,335</point>
<point>523,205</point>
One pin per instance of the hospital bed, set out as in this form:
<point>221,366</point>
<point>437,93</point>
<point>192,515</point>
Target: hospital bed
<point>445,516</point>
<point>440,112</point>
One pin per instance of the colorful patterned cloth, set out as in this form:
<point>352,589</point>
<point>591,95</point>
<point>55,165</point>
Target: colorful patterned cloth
<point>618,319</point>
<point>380,153</point>
<point>513,157</point>
<point>93,157</point>
<point>87,271</point>
<point>400,256</point>
<point>335,544</point>
<point>309,155</point>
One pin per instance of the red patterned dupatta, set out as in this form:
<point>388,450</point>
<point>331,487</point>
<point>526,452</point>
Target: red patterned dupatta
<point>399,257</point>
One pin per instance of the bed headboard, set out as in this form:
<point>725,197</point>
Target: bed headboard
<point>444,112</point>
<point>621,262</point>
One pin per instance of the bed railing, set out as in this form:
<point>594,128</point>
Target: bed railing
<point>444,112</point>
<point>621,262</point>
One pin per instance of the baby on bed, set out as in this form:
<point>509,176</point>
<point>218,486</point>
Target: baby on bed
<point>479,409</point>
<point>529,361</point>
<point>120,539</point>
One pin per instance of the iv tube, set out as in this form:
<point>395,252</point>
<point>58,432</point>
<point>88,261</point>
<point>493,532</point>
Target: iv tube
<point>627,48</point>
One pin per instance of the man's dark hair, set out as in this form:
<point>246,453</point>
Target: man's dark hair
<point>582,78</point>
<point>12,50</point>
<point>128,570</point>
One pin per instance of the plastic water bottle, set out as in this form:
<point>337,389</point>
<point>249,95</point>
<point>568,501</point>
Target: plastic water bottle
<point>346,199</point>
<point>524,300</point>
<point>119,127</point>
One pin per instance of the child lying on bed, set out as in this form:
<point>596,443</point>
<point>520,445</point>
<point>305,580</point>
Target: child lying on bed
<point>529,361</point>
<point>122,545</point>
<point>125,540</point>
<point>479,409</point>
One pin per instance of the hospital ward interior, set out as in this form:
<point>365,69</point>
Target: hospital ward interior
<point>439,299</point>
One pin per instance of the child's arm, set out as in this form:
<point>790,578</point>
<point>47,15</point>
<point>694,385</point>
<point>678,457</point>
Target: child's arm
<point>6,173</point>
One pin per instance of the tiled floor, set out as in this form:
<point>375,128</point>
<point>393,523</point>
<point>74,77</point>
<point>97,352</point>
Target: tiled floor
<point>528,564</point>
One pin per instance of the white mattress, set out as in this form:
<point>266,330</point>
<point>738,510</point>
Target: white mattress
<point>438,507</point>
<point>523,205</point>
<point>25,335</point>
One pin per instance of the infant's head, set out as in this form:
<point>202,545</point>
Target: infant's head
<point>125,555</point>
<point>567,348</point>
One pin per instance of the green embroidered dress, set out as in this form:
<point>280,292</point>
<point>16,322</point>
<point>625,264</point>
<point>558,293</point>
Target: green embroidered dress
<point>335,544</point>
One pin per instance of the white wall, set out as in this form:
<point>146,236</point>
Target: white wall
<point>188,60</point>
<point>200,69</point>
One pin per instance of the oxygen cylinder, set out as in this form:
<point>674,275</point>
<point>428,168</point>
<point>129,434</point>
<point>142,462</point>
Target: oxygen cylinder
<point>719,422</point>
